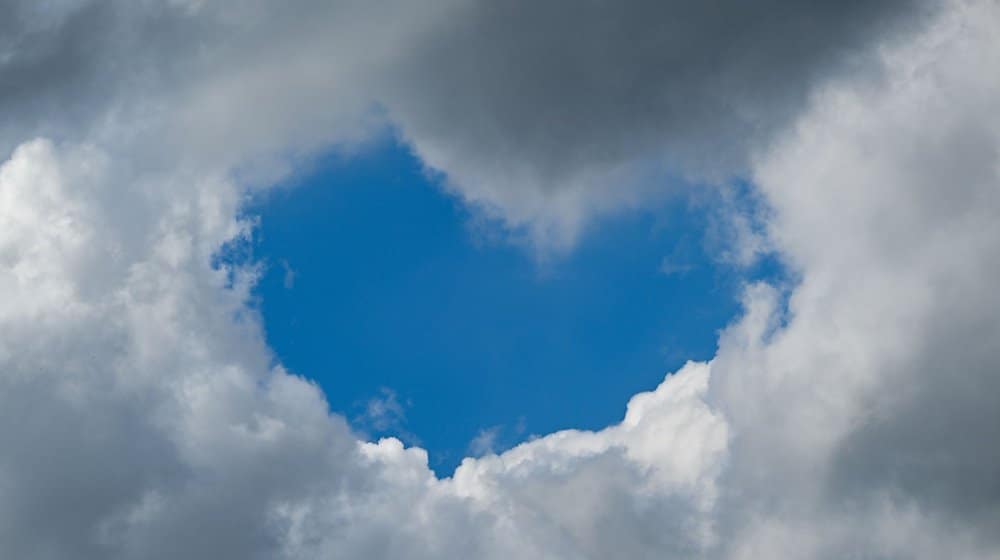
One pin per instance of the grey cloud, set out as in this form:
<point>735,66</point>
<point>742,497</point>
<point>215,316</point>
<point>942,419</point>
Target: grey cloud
<point>542,109</point>
<point>543,114</point>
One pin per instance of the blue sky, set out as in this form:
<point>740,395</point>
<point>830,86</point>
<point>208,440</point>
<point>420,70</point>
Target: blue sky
<point>378,287</point>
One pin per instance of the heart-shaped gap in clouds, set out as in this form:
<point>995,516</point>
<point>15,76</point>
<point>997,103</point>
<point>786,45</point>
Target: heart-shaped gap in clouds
<point>423,323</point>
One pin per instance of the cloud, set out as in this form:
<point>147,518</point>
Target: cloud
<point>548,113</point>
<point>852,414</point>
<point>543,116</point>
<point>384,414</point>
<point>680,260</point>
<point>289,275</point>
<point>485,441</point>
<point>885,203</point>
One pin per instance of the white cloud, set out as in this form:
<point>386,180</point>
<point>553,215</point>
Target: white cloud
<point>885,201</point>
<point>140,416</point>
<point>485,441</point>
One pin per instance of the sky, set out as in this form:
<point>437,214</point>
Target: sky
<point>416,325</point>
<point>459,279</point>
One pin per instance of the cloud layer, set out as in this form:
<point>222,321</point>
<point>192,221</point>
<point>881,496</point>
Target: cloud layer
<point>850,415</point>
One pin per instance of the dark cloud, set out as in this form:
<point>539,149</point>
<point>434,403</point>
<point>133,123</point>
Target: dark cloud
<point>542,113</point>
<point>561,86</point>
<point>519,102</point>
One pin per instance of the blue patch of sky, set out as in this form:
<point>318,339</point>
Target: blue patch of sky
<point>375,287</point>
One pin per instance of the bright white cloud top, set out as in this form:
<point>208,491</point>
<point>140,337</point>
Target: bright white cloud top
<point>852,415</point>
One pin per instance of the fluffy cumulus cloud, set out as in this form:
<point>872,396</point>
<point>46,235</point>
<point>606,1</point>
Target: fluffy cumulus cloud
<point>852,414</point>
